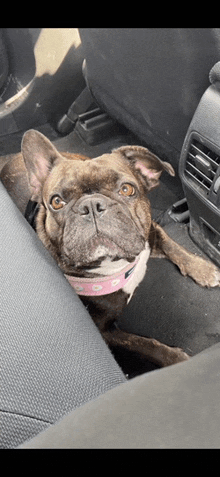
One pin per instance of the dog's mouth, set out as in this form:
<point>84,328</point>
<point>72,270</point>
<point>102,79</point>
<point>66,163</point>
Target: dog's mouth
<point>92,252</point>
<point>103,247</point>
<point>101,244</point>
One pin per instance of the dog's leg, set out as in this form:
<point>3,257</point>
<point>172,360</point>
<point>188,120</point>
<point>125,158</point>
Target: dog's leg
<point>147,348</point>
<point>202,271</point>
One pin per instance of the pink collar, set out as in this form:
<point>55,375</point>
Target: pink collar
<point>104,285</point>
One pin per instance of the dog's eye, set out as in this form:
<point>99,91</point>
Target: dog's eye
<point>127,190</point>
<point>57,202</point>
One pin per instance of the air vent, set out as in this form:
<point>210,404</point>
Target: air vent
<point>201,166</point>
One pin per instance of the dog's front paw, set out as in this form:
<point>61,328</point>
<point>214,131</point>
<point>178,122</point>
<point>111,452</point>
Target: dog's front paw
<point>214,279</point>
<point>174,356</point>
<point>203,272</point>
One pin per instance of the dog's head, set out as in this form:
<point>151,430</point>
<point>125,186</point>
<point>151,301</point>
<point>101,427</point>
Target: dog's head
<point>91,209</point>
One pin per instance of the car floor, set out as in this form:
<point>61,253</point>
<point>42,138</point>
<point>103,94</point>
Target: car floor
<point>166,306</point>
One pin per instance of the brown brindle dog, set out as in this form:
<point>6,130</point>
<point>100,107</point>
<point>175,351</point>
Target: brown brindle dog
<point>95,219</point>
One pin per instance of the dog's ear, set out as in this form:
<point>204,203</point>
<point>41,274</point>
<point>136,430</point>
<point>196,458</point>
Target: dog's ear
<point>39,156</point>
<point>149,166</point>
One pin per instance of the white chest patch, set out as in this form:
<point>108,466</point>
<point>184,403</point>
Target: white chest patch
<point>139,272</point>
<point>109,268</point>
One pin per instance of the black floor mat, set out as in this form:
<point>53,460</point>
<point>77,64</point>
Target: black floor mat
<point>11,144</point>
<point>173,308</point>
<point>74,143</point>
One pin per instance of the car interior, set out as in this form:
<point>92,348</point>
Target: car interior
<point>90,90</point>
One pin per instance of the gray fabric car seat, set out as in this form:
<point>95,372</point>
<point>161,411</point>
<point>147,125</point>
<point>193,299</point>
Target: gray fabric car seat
<point>171,408</point>
<point>53,358</point>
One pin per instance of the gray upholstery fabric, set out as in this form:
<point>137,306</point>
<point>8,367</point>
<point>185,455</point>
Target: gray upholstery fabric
<point>53,358</point>
<point>214,74</point>
<point>175,407</point>
<point>172,308</point>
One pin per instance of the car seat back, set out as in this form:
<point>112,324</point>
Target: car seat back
<point>151,79</point>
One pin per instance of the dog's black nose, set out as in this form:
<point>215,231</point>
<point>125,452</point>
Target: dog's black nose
<point>92,206</point>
